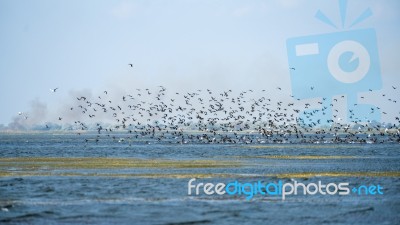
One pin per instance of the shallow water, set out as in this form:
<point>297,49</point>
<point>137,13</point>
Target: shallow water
<point>142,183</point>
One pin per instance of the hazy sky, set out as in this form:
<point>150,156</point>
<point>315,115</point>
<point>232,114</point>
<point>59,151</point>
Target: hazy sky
<point>192,44</point>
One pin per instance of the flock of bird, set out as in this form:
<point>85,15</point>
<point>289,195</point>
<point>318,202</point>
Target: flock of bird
<point>204,116</point>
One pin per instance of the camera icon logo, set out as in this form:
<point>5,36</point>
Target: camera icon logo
<point>334,64</point>
<point>339,63</point>
<point>344,71</point>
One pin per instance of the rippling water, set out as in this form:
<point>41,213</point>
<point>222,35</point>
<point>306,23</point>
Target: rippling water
<point>142,183</point>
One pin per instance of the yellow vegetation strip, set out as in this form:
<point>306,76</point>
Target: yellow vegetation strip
<point>339,174</point>
<point>310,157</point>
<point>59,166</point>
<point>393,174</point>
<point>298,146</point>
<point>107,163</point>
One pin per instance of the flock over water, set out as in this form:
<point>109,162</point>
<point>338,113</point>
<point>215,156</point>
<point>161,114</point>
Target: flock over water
<point>204,116</point>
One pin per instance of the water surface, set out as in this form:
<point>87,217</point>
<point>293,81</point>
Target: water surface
<point>47,178</point>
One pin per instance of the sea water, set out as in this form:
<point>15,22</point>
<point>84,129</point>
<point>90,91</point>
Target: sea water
<point>39,183</point>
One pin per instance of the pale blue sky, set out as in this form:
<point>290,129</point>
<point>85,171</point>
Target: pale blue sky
<point>77,45</point>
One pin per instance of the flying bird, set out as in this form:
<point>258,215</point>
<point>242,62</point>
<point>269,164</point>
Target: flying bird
<point>53,90</point>
<point>130,64</point>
